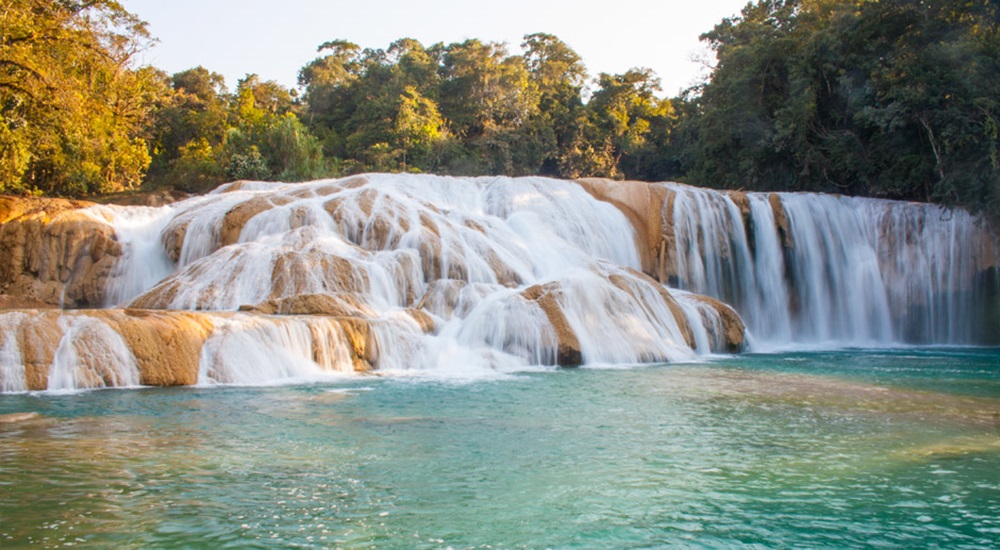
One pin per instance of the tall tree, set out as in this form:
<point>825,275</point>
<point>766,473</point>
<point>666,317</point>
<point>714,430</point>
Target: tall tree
<point>188,131</point>
<point>73,107</point>
<point>626,109</point>
<point>559,74</point>
<point>888,98</point>
<point>489,98</point>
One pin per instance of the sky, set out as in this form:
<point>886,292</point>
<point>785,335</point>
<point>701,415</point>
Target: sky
<point>274,39</point>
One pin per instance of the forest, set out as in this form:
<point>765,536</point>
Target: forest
<point>893,98</point>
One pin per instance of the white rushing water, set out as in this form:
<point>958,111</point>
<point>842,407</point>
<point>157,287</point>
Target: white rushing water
<point>91,355</point>
<point>464,250</point>
<point>855,271</point>
<point>477,276</point>
<point>144,264</point>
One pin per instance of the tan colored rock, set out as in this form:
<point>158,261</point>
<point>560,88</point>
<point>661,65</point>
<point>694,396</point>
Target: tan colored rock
<point>45,209</point>
<point>742,201</point>
<point>367,226</point>
<point>442,296</point>
<point>675,309</point>
<point>644,205</point>
<point>298,272</point>
<point>733,330</point>
<point>12,418</point>
<point>161,197</point>
<point>173,239</point>
<point>781,220</point>
<point>334,305</point>
<point>166,345</point>
<point>233,186</point>
<point>54,252</point>
<point>423,319</point>
<point>568,353</point>
<point>38,339</point>
<point>363,345</point>
<point>18,302</point>
<point>238,216</point>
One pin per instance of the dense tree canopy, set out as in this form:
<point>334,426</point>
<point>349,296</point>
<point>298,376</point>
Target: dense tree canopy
<point>889,98</point>
<point>72,108</point>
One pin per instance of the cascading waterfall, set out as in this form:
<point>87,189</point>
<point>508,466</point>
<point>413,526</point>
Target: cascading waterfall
<point>252,350</point>
<point>138,230</point>
<point>261,282</point>
<point>400,273</point>
<point>847,271</point>
<point>91,355</point>
<point>12,371</point>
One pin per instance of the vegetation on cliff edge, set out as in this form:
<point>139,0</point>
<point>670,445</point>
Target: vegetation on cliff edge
<point>888,98</point>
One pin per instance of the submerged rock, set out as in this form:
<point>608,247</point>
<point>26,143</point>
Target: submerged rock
<point>13,418</point>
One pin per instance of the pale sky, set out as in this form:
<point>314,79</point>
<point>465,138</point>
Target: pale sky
<point>276,38</point>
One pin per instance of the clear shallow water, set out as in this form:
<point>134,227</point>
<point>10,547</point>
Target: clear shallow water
<point>888,449</point>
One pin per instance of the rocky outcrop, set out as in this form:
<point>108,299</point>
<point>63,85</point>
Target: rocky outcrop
<point>334,305</point>
<point>166,346</point>
<point>648,207</point>
<point>675,309</point>
<point>568,352</point>
<point>56,252</point>
<point>238,216</point>
<point>732,337</point>
<point>157,198</point>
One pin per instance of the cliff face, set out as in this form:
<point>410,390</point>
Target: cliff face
<point>56,253</point>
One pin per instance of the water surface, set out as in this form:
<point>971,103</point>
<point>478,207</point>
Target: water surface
<point>890,449</point>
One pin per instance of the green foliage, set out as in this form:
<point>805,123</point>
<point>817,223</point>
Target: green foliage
<point>73,109</point>
<point>196,168</point>
<point>189,130</point>
<point>204,135</point>
<point>248,166</point>
<point>887,98</point>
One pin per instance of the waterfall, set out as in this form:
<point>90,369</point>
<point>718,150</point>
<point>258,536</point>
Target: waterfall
<point>400,273</point>
<point>262,282</point>
<point>144,264</point>
<point>805,268</point>
<point>91,355</point>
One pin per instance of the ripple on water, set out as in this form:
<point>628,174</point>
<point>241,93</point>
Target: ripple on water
<point>721,454</point>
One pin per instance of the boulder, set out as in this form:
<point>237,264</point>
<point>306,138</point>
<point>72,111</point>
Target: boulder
<point>166,346</point>
<point>336,305</point>
<point>733,331</point>
<point>568,353</point>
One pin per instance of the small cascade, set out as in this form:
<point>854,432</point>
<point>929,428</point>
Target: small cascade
<point>143,263</point>
<point>248,350</point>
<point>12,371</point>
<point>91,355</point>
<point>809,268</point>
